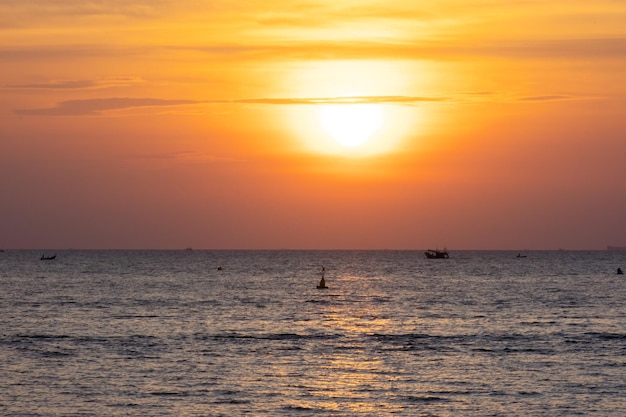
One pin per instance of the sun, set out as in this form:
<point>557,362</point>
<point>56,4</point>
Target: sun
<point>351,125</point>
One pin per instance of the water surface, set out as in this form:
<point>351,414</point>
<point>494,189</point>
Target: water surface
<point>165,333</point>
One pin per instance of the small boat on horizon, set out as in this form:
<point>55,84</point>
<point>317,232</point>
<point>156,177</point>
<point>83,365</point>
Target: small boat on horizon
<point>436,254</point>
<point>47,258</point>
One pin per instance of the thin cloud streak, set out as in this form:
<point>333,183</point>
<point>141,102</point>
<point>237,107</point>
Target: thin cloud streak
<point>186,156</point>
<point>63,8</point>
<point>547,98</point>
<point>550,49</point>
<point>77,84</point>
<point>596,48</point>
<point>100,105</point>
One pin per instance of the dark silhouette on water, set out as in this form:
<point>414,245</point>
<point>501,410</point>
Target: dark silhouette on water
<point>619,271</point>
<point>436,254</point>
<point>47,258</point>
<point>322,284</point>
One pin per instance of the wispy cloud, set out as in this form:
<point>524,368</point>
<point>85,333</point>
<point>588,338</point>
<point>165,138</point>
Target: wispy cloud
<point>590,48</point>
<point>77,84</point>
<point>547,49</point>
<point>45,52</point>
<point>186,156</point>
<point>337,100</point>
<point>102,105</point>
<point>547,98</point>
<point>47,8</point>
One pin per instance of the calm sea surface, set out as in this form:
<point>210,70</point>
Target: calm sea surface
<point>165,333</point>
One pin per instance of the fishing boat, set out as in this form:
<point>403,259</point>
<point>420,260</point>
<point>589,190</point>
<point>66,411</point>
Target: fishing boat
<point>47,258</point>
<point>436,254</point>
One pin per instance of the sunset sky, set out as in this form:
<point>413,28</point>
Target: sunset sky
<point>212,124</point>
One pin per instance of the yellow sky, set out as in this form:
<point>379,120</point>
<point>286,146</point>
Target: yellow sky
<point>163,124</point>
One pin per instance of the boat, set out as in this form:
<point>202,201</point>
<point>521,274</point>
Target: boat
<point>47,258</point>
<point>436,254</point>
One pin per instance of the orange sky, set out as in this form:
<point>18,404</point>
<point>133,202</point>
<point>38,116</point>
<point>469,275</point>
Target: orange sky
<point>173,124</point>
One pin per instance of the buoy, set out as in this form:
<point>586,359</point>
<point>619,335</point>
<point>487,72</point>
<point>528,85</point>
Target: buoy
<point>322,285</point>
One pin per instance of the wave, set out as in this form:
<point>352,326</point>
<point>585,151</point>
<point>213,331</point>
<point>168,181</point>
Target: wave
<point>268,336</point>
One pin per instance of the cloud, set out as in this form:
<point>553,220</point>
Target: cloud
<point>77,84</point>
<point>99,105</point>
<point>293,50</point>
<point>591,48</point>
<point>71,8</point>
<point>340,100</point>
<point>45,53</point>
<point>546,98</point>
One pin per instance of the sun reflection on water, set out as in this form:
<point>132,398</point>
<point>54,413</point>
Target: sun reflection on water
<point>351,375</point>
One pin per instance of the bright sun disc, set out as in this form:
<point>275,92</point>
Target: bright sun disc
<point>351,124</point>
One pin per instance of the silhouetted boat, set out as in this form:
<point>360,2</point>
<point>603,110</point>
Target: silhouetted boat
<point>436,254</point>
<point>47,258</point>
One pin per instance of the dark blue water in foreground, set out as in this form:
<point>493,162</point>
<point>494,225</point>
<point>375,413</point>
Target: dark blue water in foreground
<point>165,333</point>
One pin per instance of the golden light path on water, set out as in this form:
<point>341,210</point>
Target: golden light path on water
<point>350,379</point>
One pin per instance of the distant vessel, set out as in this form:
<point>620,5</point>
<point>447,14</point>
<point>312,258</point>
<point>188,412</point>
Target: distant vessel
<point>616,248</point>
<point>47,258</point>
<point>436,254</point>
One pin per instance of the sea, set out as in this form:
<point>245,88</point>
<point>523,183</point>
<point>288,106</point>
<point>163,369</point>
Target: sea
<point>233,333</point>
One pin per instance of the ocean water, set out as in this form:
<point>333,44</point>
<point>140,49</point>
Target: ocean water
<point>165,333</point>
